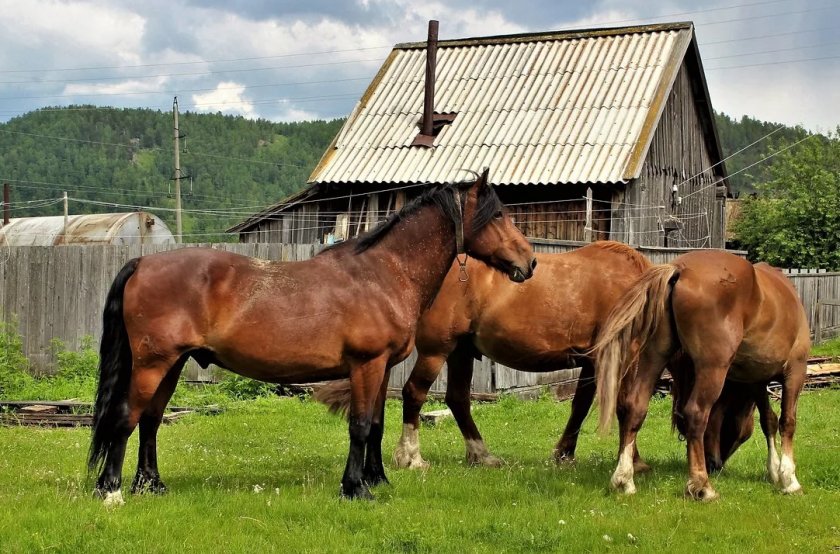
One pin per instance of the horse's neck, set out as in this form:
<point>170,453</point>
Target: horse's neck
<point>421,248</point>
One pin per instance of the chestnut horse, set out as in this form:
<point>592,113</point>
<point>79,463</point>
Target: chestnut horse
<point>351,310</point>
<point>546,324</point>
<point>730,320</point>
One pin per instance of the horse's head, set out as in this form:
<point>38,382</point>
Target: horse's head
<point>490,235</point>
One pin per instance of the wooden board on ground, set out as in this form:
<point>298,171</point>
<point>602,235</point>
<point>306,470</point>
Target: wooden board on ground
<point>433,417</point>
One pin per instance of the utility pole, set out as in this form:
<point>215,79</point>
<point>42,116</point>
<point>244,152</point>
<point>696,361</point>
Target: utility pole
<point>66,215</point>
<point>177,136</point>
<point>6,202</point>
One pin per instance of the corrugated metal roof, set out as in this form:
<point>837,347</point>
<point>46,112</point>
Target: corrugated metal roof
<point>572,107</point>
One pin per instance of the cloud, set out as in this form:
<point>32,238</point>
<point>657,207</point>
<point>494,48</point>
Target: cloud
<point>314,58</point>
<point>226,98</point>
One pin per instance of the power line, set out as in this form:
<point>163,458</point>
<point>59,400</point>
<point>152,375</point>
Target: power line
<point>772,35</point>
<point>751,165</point>
<point>190,74</point>
<point>771,51</point>
<point>781,62</point>
<point>182,91</point>
<point>167,64</point>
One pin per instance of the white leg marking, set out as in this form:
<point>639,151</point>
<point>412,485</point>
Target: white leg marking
<point>113,499</point>
<point>773,462</point>
<point>787,476</point>
<point>622,479</point>
<point>407,454</point>
<point>477,454</point>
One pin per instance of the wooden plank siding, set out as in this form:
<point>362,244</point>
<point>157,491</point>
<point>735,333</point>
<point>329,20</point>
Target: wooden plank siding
<point>58,292</point>
<point>678,151</point>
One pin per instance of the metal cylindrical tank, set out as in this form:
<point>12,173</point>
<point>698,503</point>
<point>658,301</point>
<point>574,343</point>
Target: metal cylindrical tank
<point>116,229</point>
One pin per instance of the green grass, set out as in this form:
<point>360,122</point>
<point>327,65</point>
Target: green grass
<point>295,452</point>
<point>828,348</point>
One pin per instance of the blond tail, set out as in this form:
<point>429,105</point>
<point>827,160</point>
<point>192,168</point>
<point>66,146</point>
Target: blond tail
<point>336,395</point>
<point>630,325</point>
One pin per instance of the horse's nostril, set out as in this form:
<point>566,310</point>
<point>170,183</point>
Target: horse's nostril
<point>533,264</point>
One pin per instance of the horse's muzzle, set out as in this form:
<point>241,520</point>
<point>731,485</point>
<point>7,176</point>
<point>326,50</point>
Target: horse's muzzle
<point>518,275</point>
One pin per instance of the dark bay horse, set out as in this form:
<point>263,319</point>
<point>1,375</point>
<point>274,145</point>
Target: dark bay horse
<point>546,324</point>
<point>350,311</point>
<point>728,319</point>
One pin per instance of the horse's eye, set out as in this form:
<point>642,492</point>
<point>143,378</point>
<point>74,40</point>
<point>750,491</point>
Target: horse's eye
<point>498,215</point>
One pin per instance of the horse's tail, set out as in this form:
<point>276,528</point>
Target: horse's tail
<point>631,323</point>
<point>110,409</point>
<point>336,395</point>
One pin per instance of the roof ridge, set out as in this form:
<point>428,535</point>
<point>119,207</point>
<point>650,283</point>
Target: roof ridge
<point>543,36</point>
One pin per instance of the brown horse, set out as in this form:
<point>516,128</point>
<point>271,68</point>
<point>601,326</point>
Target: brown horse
<point>730,319</point>
<point>546,324</point>
<point>351,310</point>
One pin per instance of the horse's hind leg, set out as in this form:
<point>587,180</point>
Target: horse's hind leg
<point>460,372</point>
<point>147,478</point>
<point>414,393</point>
<point>708,383</point>
<point>145,380</point>
<point>794,380</point>
<point>632,408</point>
<point>374,471</point>
<point>581,402</point>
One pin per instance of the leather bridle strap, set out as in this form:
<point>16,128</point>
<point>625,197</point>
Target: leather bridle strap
<point>459,238</point>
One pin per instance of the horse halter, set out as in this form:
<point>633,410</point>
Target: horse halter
<point>459,238</point>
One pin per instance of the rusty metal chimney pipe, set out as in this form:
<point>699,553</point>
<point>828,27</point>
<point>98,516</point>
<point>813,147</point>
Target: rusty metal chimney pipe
<point>431,63</point>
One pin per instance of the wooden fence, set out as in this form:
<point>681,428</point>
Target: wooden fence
<point>58,293</point>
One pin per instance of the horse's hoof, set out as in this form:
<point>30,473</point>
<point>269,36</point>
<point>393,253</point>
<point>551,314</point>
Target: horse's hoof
<point>564,458</point>
<point>112,499</point>
<point>623,486</point>
<point>486,460</point>
<point>145,485</point>
<point>356,492</point>
<point>641,466</point>
<point>703,493</point>
<point>403,460</point>
<point>793,488</point>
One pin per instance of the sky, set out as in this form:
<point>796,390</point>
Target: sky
<point>283,60</point>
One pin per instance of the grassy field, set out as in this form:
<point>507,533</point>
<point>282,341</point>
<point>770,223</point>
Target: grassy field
<point>264,476</point>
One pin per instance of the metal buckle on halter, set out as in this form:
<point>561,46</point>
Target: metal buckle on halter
<point>463,276</point>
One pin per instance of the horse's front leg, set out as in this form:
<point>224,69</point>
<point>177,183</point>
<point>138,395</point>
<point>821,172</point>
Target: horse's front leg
<point>564,452</point>
<point>374,471</point>
<point>365,382</point>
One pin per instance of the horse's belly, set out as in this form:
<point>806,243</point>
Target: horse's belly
<point>535,358</point>
<point>285,361</point>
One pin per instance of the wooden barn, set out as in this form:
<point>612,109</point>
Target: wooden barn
<point>589,134</point>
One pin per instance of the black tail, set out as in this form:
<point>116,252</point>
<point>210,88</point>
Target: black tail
<point>111,409</point>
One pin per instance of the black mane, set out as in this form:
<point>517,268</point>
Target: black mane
<point>439,195</point>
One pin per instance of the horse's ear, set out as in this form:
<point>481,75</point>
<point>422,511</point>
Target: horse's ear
<point>481,179</point>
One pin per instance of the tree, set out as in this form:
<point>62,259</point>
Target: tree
<point>794,221</point>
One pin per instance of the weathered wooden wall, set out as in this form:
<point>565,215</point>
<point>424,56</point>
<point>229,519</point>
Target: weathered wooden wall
<point>678,155</point>
<point>58,292</point>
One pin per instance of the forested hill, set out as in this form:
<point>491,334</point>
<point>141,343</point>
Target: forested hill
<point>116,159</point>
<point>736,134</point>
<point>124,158</point>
